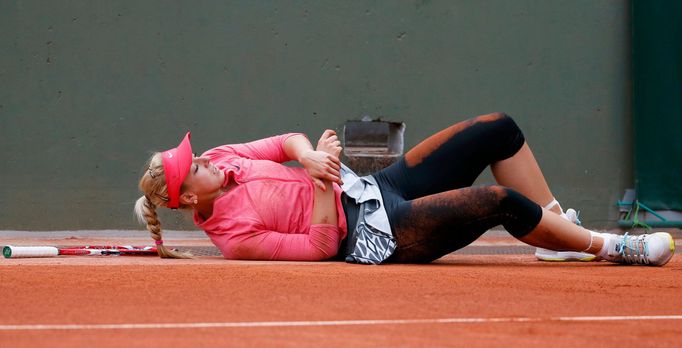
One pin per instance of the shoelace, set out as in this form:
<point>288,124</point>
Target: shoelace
<point>577,218</point>
<point>634,249</point>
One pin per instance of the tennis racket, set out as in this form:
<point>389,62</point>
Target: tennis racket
<point>10,251</point>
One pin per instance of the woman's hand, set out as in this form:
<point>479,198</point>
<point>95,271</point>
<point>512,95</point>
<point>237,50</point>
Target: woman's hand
<point>329,143</point>
<point>323,163</point>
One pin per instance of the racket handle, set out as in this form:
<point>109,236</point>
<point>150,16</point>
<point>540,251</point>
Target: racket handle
<point>35,251</point>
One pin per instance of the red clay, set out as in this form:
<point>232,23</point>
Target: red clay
<point>59,291</point>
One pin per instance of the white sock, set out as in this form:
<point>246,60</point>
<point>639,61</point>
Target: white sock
<point>551,205</point>
<point>608,243</point>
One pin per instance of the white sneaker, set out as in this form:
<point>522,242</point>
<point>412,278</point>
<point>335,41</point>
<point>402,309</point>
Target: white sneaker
<point>573,216</point>
<point>561,256</point>
<point>654,249</point>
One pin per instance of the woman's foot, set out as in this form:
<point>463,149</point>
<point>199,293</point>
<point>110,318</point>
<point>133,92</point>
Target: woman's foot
<point>654,249</point>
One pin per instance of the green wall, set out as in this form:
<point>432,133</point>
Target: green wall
<point>657,76</point>
<point>89,88</point>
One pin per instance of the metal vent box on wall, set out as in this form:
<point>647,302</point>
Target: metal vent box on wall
<point>370,145</point>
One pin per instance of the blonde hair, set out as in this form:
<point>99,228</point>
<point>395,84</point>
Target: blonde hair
<point>153,185</point>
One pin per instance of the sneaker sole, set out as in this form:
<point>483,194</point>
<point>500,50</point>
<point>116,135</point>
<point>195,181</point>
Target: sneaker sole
<point>566,259</point>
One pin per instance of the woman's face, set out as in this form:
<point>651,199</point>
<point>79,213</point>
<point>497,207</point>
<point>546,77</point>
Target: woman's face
<point>203,180</point>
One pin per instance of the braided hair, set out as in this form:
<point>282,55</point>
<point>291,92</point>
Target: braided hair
<point>153,185</point>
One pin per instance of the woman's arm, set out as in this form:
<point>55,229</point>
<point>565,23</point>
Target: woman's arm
<point>323,166</point>
<point>246,240</point>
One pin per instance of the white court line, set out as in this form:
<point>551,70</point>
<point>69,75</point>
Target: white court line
<point>332,323</point>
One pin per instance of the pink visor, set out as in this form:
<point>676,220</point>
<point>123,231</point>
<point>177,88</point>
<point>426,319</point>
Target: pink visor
<point>176,163</point>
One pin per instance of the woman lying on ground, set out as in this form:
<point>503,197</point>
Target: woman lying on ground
<point>414,211</point>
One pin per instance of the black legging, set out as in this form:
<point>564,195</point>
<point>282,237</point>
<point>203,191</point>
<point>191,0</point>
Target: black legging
<point>433,210</point>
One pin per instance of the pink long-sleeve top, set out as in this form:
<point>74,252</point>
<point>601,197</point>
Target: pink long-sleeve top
<point>266,216</point>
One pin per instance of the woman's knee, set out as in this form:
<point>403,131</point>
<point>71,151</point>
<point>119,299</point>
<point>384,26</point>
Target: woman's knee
<point>504,136</point>
<point>503,123</point>
<point>524,214</point>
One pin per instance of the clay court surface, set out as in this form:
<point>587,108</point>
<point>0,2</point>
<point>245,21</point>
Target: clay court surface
<point>493,293</point>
